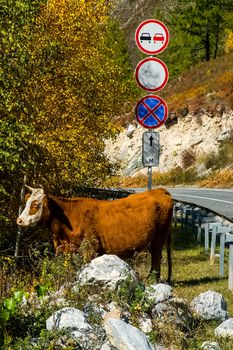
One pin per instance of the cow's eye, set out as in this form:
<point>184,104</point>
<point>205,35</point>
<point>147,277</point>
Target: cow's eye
<point>36,205</point>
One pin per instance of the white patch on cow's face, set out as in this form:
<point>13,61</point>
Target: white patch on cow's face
<point>33,210</point>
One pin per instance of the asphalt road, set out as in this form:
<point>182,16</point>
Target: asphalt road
<point>219,201</point>
<point>216,200</point>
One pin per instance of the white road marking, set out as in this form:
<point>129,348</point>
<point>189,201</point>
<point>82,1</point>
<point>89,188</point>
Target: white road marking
<point>210,199</point>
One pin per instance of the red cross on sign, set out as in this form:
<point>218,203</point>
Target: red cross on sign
<point>151,112</point>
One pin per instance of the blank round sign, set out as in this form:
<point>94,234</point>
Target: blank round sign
<point>151,74</point>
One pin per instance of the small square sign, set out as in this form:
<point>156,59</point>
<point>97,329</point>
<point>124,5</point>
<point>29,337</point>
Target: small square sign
<point>150,148</point>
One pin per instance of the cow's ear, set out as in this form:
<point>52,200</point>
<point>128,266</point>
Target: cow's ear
<point>27,196</point>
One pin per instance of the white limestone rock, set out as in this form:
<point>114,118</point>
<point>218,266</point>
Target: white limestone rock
<point>210,306</point>
<point>107,271</point>
<point>145,323</point>
<point>126,337</point>
<point>157,293</point>
<point>208,345</point>
<point>225,329</point>
<point>68,317</point>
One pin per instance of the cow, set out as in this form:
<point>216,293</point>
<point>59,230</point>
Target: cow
<point>119,227</point>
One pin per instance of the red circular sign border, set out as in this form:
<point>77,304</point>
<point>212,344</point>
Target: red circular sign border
<point>138,42</point>
<point>165,115</point>
<point>164,66</point>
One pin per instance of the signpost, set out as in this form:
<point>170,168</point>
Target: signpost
<point>151,37</point>
<point>150,148</point>
<point>150,153</point>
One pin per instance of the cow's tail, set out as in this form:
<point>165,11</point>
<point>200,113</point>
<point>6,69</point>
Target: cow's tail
<point>169,254</point>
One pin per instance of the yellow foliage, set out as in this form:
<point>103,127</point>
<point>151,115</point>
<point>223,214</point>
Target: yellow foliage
<point>76,87</point>
<point>229,41</point>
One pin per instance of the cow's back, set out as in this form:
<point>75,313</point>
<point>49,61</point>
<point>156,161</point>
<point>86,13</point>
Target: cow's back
<point>130,224</point>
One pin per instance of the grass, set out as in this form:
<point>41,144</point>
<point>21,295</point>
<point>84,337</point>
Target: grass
<point>192,275</point>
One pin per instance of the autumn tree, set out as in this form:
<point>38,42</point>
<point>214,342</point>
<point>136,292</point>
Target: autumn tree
<point>76,86</point>
<point>63,78</point>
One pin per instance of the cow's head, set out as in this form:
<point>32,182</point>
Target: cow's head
<point>32,213</point>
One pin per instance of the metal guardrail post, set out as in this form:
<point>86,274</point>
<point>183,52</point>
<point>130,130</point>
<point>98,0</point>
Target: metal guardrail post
<point>230,277</point>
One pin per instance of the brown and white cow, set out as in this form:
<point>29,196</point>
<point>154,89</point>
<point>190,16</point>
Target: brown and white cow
<point>118,227</point>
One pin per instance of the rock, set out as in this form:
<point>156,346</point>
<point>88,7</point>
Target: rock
<point>157,293</point>
<point>126,337</point>
<point>130,130</point>
<point>107,271</point>
<point>210,306</point>
<point>93,312</point>
<point>126,151</point>
<point>225,329</point>
<point>145,323</point>
<point>208,345</point>
<point>195,141</point>
<point>175,311</point>
<point>219,109</point>
<point>106,346</point>
<point>224,135</point>
<point>68,317</point>
<point>134,163</point>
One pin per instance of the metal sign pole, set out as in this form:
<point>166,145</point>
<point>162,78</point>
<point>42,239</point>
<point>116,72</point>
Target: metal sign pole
<point>19,231</point>
<point>149,178</point>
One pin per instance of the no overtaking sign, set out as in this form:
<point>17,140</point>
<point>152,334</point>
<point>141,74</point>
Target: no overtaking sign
<point>152,36</point>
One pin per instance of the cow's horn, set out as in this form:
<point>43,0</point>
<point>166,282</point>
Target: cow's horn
<point>29,188</point>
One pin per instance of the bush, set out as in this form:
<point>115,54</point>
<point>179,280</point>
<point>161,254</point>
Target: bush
<point>220,178</point>
<point>188,158</point>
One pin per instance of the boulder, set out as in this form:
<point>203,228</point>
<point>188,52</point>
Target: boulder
<point>68,317</point>
<point>210,306</point>
<point>157,293</point>
<point>126,337</point>
<point>175,311</point>
<point>107,271</point>
<point>225,329</point>
<point>208,345</point>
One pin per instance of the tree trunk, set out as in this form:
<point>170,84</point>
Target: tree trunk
<point>207,43</point>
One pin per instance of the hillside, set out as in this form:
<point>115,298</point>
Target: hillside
<point>200,120</point>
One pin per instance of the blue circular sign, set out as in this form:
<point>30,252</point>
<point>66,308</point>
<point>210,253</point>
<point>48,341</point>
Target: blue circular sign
<point>151,112</point>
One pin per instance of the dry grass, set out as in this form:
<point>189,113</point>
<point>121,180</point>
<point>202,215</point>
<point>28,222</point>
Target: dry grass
<point>204,85</point>
<point>220,178</point>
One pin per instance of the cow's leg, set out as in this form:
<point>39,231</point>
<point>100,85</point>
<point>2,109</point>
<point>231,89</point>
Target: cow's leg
<point>169,256</point>
<point>156,256</point>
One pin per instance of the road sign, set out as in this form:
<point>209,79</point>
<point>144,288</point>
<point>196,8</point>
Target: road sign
<point>150,148</point>
<point>151,112</point>
<point>152,36</point>
<point>151,74</point>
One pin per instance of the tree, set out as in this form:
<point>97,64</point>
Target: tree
<point>77,84</point>
<point>197,31</point>
<point>62,81</point>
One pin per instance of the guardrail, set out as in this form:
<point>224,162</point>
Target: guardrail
<point>213,226</point>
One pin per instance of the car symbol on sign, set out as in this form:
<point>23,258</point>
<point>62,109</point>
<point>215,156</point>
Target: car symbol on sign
<point>145,37</point>
<point>158,37</point>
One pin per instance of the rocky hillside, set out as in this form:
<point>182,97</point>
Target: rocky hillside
<point>200,133</point>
